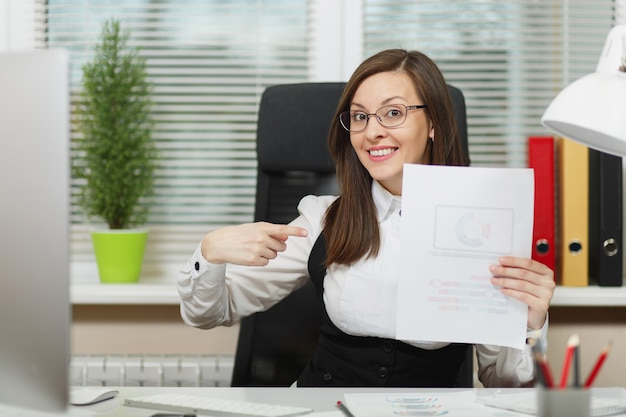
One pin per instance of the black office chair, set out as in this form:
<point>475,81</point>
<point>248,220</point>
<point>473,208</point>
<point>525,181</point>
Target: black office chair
<point>275,345</point>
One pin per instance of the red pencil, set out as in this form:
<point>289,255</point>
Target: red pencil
<point>598,365</point>
<point>569,353</point>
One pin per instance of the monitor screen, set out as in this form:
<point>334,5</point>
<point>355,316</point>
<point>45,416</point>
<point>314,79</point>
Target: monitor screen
<point>35,312</point>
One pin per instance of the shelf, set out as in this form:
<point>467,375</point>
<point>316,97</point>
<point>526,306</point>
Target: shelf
<point>124,294</point>
<point>154,287</point>
<point>159,288</point>
<point>165,293</point>
<point>591,296</point>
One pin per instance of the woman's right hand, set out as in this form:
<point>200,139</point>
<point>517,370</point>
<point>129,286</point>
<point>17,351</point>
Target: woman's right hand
<point>252,244</point>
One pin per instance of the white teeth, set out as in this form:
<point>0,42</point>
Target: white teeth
<point>381,152</point>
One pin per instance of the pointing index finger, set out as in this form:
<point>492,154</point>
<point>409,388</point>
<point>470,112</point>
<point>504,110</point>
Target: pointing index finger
<point>284,231</point>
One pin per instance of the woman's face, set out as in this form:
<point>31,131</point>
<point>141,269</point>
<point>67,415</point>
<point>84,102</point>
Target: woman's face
<point>384,150</point>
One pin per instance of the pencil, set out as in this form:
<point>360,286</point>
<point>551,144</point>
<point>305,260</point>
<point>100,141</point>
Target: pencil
<point>576,366</point>
<point>544,370</point>
<point>598,365</point>
<point>344,409</point>
<point>571,344</point>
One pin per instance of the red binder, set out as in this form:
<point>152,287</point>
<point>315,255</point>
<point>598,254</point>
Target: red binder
<point>541,159</point>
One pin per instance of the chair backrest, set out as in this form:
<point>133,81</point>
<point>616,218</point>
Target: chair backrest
<point>293,161</point>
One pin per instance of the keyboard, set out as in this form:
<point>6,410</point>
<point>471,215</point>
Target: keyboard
<point>195,404</point>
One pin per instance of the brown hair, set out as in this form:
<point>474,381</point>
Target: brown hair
<point>350,224</point>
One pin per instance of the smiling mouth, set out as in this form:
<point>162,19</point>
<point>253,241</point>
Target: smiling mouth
<point>382,152</point>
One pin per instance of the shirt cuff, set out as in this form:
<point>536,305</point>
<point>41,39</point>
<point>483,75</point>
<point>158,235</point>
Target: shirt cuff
<point>538,337</point>
<point>198,270</point>
<point>197,264</point>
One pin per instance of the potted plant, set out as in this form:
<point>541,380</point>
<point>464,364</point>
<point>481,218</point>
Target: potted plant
<point>114,158</point>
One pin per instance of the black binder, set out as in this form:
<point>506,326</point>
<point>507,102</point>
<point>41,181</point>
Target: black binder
<point>605,219</point>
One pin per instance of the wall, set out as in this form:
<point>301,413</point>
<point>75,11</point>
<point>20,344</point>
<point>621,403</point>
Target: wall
<point>105,329</point>
<point>159,330</point>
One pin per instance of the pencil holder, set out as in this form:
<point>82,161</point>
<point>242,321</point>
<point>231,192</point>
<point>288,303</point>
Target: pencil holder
<point>570,402</point>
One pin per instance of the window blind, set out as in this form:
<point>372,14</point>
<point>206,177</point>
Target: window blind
<point>209,62</point>
<point>510,58</point>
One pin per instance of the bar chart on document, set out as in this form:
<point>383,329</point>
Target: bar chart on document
<point>471,232</point>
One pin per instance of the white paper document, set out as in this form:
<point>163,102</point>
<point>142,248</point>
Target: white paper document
<point>456,222</point>
<point>393,404</point>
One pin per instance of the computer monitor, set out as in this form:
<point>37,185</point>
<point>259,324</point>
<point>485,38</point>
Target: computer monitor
<point>35,311</point>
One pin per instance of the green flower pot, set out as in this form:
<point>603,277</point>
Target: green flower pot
<point>119,254</point>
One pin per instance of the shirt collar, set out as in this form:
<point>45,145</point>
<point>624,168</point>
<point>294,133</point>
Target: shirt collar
<point>385,202</point>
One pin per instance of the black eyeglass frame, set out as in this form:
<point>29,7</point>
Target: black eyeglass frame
<point>349,112</point>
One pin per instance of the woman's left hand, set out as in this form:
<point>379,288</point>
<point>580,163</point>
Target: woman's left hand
<point>526,280</point>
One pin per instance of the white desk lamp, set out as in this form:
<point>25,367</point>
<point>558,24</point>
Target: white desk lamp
<point>592,109</point>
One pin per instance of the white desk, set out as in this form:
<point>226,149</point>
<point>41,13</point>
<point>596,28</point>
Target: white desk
<point>319,399</point>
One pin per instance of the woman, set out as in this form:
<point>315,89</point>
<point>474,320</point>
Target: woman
<point>394,110</point>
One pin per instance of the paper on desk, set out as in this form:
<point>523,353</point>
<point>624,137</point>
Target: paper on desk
<point>393,404</point>
<point>456,221</point>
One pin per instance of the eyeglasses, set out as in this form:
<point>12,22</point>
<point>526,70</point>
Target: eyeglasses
<point>388,116</point>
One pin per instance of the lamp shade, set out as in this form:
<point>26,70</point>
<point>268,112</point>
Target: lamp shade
<point>592,110</point>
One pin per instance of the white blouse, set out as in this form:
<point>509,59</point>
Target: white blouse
<point>359,299</point>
